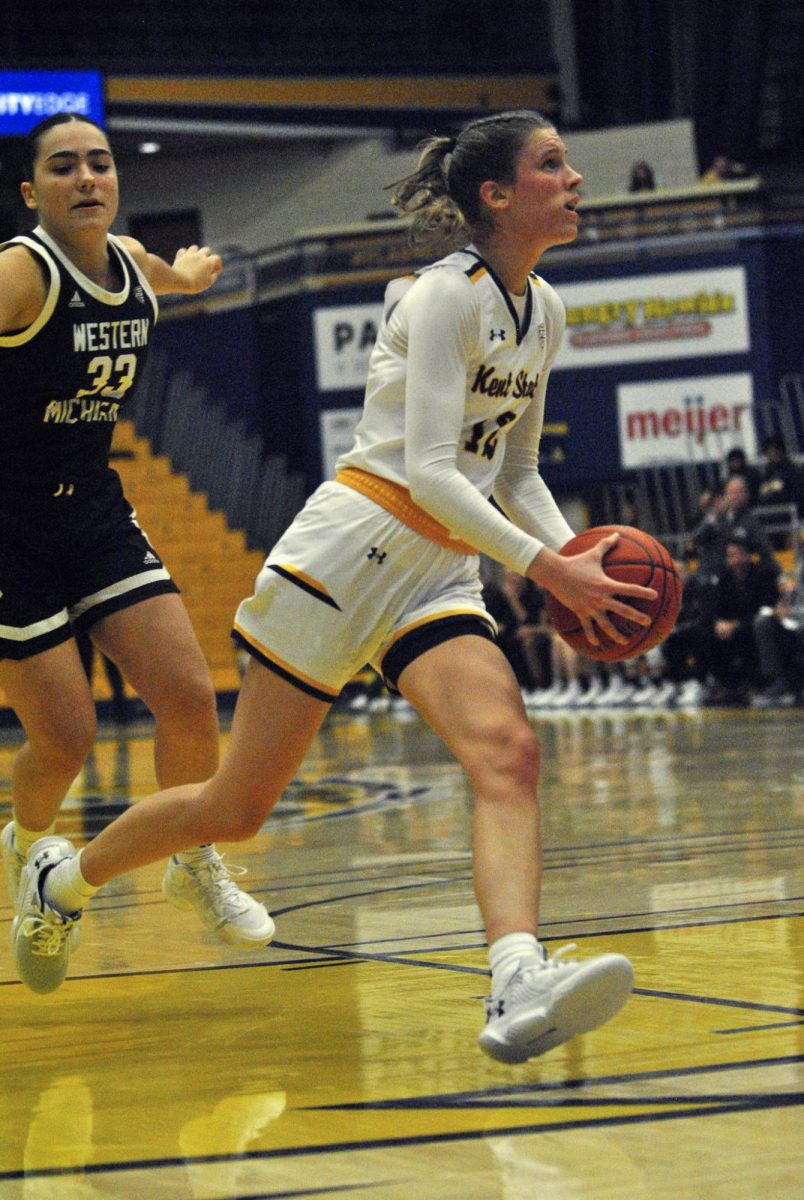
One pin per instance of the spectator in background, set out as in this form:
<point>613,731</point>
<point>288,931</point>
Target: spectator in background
<point>687,649</point>
<point>729,516</point>
<point>743,588</point>
<point>723,170</point>
<point>779,636</point>
<point>780,480</point>
<point>524,631</point>
<point>642,178</point>
<point>736,463</point>
<point>570,679</point>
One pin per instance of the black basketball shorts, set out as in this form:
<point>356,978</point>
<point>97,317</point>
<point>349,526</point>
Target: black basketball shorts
<point>63,566</point>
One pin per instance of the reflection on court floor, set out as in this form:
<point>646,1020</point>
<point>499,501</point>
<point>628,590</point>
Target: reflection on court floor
<point>341,1060</point>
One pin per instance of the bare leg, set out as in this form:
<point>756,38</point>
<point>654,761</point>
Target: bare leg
<point>154,646</point>
<point>273,726</point>
<point>468,694</point>
<point>51,697</point>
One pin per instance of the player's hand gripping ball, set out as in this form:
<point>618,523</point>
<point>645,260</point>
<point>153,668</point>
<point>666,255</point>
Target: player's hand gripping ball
<point>635,558</point>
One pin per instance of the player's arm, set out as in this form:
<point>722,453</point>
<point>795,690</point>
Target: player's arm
<point>22,290</point>
<point>193,270</point>
<point>441,318</point>
<point>519,488</point>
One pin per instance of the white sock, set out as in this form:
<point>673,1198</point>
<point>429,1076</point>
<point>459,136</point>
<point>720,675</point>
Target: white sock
<point>65,888</point>
<point>506,955</point>
<point>196,854</point>
<point>25,838</point>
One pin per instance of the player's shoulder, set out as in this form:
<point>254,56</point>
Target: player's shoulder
<point>547,293</point>
<point>449,280</point>
<point>22,263</point>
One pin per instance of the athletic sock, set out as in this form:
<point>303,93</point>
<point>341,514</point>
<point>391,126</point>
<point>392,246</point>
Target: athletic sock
<point>65,888</point>
<point>507,954</point>
<point>195,854</point>
<point>25,838</point>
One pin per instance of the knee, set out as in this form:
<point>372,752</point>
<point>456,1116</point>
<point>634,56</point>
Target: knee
<point>189,703</point>
<point>237,817</point>
<point>66,742</point>
<point>506,759</point>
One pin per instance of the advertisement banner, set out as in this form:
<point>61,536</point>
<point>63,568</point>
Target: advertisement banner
<point>344,338</point>
<point>337,428</point>
<point>27,97</point>
<point>692,420</point>
<point>678,314</point>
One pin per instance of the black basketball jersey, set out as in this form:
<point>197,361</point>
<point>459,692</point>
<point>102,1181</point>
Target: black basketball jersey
<point>64,379</point>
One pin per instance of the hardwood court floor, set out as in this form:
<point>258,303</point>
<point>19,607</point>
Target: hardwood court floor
<point>341,1061</point>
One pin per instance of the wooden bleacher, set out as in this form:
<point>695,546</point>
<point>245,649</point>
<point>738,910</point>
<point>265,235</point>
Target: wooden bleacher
<point>209,561</point>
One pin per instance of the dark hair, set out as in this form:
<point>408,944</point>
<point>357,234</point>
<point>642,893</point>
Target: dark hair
<point>774,442</point>
<point>642,178</point>
<point>30,145</point>
<point>443,193</point>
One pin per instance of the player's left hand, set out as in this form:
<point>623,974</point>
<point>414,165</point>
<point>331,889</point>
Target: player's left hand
<point>199,266</point>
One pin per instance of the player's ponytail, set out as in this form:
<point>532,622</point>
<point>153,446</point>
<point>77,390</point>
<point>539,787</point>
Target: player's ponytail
<point>424,195</point>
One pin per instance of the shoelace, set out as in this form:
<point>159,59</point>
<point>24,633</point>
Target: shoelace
<point>562,952</point>
<point>48,933</point>
<point>226,899</point>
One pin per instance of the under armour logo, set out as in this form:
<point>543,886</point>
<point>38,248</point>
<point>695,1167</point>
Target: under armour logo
<point>380,555</point>
<point>497,333</point>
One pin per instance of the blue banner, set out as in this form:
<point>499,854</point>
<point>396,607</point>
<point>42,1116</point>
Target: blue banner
<point>27,97</point>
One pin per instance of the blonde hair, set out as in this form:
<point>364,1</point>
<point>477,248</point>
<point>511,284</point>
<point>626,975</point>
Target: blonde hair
<point>443,193</point>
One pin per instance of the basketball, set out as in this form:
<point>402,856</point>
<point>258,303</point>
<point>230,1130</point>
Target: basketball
<point>635,558</point>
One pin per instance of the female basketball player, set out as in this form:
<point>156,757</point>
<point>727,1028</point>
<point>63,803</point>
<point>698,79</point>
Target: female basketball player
<point>77,309</point>
<point>381,565</point>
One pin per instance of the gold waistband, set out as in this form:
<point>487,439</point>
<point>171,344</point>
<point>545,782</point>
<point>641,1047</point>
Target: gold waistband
<point>397,500</point>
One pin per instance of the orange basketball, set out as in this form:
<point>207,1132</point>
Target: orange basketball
<point>636,558</point>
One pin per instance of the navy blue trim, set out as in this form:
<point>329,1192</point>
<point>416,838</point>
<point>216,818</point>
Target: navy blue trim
<point>425,637</point>
<point>315,592</point>
<point>527,317</point>
<point>18,651</point>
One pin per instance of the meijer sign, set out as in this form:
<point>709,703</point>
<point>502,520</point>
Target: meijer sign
<point>686,420</point>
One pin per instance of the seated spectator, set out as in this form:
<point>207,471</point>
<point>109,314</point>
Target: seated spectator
<point>642,178</point>
<point>779,636</point>
<point>742,589</point>
<point>569,686</point>
<point>729,516</point>
<point>736,463</point>
<point>687,649</point>
<point>780,480</point>
<point>517,605</point>
<point>724,169</point>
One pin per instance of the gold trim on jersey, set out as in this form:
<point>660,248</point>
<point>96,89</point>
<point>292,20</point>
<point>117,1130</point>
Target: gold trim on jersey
<point>398,501</point>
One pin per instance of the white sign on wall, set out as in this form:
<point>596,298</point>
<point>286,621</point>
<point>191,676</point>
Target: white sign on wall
<point>686,420</point>
<point>337,428</point>
<point>678,314</point>
<point>344,338</point>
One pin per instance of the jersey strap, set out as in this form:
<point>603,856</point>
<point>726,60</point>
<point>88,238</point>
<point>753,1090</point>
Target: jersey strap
<point>398,501</point>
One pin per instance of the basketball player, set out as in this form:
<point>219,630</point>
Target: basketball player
<point>381,565</point>
<point>77,309</point>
